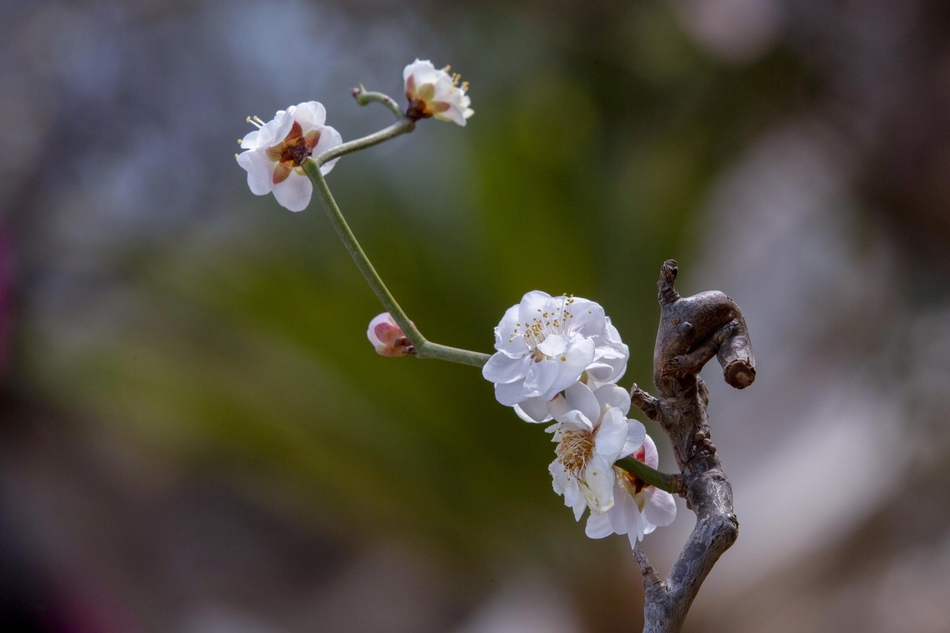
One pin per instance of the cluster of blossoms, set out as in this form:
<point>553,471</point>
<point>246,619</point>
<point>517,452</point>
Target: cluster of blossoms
<point>557,358</point>
<point>276,151</point>
<point>560,358</point>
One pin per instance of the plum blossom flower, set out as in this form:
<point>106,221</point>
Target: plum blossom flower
<point>433,92</point>
<point>276,150</point>
<point>592,432</point>
<point>545,344</point>
<point>387,337</point>
<point>638,507</point>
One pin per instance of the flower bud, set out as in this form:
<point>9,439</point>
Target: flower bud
<point>387,337</point>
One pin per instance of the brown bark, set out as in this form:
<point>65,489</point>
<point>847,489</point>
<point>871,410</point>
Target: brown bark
<point>692,331</point>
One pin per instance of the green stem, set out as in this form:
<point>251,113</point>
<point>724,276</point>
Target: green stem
<point>400,127</point>
<point>364,97</point>
<point>669,483</point>
<point>424,349</point>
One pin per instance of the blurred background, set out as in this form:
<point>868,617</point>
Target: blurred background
<point>196,436</point>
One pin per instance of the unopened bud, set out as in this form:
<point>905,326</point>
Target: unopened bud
<point>387,337</point>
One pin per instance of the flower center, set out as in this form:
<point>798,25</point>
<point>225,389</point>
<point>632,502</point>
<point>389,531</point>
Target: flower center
<point>544,325</point>
<point>575,450</point>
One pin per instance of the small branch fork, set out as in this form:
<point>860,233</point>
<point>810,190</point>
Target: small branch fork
<point>692,331</point>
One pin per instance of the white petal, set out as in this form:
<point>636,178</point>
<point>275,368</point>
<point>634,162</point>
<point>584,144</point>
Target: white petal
<point>386,318</point>
<point>501,368</point>
<point>510,393</point>
<point>636,433</point>
<point>611,435</point>
<point>294,193</point>
<point>579,397</point>
<point>634,521</point>
<point>310,115</point>
<point>540,377</point>
<point>651,458</point>
<point>554,345</point>
<point>579,505</point>
<point>660,508</point>
<point>619,515</point>
<point>505,338</point>
<point>613,396</point>
<point>533,410</point>
<point>589,319</point>
<point>576,358</point>
<point>260,171</point>
<point>329,138</point>
<point>599,478</point>
<point>598,525</point>
<point>532,305</point>
<point>275,130</point>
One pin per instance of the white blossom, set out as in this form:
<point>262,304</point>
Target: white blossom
<point>387,337</point>
<point>638,507</point>
<point>435,93</point>
<point>545,344</point>
<point>592,432</point>
<point>277,149</point>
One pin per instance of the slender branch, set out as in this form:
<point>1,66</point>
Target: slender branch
<point>403,125</point>
<point>400,127</point>
<point>423,348</point>
<point>669,483</point>
<point>364,97</point>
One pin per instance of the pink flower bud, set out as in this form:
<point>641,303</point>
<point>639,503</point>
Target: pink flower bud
<point>387,337</point>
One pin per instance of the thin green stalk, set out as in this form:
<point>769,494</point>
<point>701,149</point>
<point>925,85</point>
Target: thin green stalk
<point>399,127</point>
<point>424,349</point>
<point>669,483</point>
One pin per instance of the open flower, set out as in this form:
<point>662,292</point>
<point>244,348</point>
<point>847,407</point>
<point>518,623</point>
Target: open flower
<point>638,507</point>
<point>592,432</point>
<point>433,92</point>
<point>387,337</point>
<point>545,344</point>
<point>277,149</point>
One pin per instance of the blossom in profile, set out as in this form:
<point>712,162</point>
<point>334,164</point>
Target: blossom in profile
<point>387,337</point>
<point>545,344</point>
<point>275,151</point>
<point>639,508</point>
<point>435,93</point>
<point>592,432</point>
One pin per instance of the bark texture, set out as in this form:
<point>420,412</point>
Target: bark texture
<point>692,331</point>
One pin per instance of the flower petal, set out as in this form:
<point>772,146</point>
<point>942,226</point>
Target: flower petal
<point>506,340</point>
<point>329,138</point>
<point>554,345</point>
<point>310,115</point>
<point>532,305</point>
<point>580,398</point>
<point>511,393</point>
<point>534,410</point>
<point>294,193</point>
<point>599,478</point>
<point>651,457</point>
<point>576,358</point>
<point>504,369</point>
<point>613,396</point>
<point>540,377</point>
<point>636,433</point>
<point>611,435</point>
<point>598,525</point>
<point>660,507</point>
<point>260,171</point>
